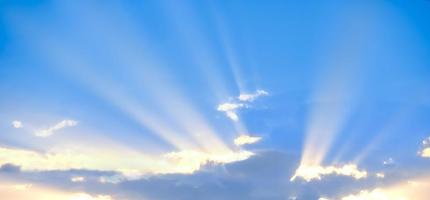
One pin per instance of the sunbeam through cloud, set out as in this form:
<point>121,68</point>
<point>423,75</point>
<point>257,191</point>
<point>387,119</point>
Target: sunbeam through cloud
<point>214,100</point>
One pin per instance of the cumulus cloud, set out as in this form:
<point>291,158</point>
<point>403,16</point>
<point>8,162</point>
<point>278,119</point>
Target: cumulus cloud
<point>246,139</point>
<point>309,173</point>
<point>51,130</point>
<point>230,108</point>
<point>17,124</point>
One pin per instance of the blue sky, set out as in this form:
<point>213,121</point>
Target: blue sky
<point>156,100</point>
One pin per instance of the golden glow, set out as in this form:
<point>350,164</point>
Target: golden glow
<point>22,187</point>
<point>14,191</point>
<point>407,190</point>
<point>425,152</point>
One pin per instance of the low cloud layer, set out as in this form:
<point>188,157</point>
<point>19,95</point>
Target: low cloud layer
<point>265,175</point>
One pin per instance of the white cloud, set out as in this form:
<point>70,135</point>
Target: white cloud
<point>230,108</point>
<point>51,130</point>
<point>251,97</point>
<point>426,141</point>
<point>309,173</point>
<point>425,149</point>
<point>77,179</point>
<point>388,161</point>
<point>232,115</point>
<point>380,175</point>
<point>17,124</point>
<point>246,139</point>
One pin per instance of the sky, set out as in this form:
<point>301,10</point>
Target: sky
<point>211,100</point>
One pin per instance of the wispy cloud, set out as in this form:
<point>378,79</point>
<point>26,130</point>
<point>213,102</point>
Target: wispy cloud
<point>309,173</point>
<point>243,100</point>
<point>51,130</point>
<point>17,124</point>
<point>249,97</point>
<point>246,139</point>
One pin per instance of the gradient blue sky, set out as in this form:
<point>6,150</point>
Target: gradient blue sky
<point>127,97</point>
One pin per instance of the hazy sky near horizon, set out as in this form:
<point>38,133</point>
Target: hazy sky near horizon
<point>158,100</point>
